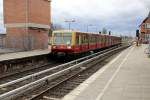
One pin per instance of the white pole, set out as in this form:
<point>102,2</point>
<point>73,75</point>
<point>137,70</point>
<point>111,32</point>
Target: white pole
<point>149,47</point>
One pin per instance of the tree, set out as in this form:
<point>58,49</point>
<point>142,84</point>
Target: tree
<point>54,27</point>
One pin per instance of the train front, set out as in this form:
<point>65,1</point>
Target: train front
<point>62,43</point>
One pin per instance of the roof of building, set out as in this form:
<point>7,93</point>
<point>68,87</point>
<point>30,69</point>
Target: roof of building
<point>149,15</point>
<point>145,19</point>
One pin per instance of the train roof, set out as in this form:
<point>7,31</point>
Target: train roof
<point>61,31</point>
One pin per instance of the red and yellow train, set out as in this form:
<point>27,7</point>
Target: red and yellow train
<point>72,42</point>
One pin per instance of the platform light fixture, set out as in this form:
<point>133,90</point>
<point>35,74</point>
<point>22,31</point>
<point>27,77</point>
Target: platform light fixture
<point>69,22</point>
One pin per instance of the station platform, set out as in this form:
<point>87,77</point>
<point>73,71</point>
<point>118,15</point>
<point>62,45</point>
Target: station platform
<point>25,54</point>
<point>126,77</point>
<point>7,50</point>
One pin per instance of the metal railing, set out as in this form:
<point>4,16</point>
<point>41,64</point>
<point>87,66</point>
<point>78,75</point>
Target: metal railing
<point>74,64</point>
<point>32,76</point>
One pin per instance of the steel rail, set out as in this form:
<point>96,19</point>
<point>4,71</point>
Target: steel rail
<point>32,76</point>
<point>34,84</point>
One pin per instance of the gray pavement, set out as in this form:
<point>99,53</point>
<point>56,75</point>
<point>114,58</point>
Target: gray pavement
<point>126,77</point>
<point>18,55</point>
<point>7,50</point>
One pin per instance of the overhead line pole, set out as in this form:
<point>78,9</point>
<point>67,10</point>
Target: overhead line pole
<point>69,23</point>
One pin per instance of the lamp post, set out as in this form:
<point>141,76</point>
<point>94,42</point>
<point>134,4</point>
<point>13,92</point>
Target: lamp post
<point>88,27</point>
<point>69,22</point>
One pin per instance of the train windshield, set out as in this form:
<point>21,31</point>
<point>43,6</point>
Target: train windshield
<point>63,38</point>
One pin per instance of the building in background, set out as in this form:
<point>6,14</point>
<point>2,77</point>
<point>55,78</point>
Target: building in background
<point>27,23</point>
<point>145,29</point>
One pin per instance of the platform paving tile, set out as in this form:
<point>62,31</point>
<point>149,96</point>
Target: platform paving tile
<point>113,94</point>
<point>132,78</point>
<point>131,82</point>
<point>133,91</point>
<point>97,85</point>
<point>146,92</point>
<point>18,55</point>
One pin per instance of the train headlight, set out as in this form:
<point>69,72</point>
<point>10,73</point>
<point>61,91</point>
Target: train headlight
<point>54,47</point>
<point>69,47</point>
<point>68,42</point>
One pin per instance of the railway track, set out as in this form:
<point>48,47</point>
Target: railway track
<point>50,78</point>
<point>24,72</point>
<point>9,79</point>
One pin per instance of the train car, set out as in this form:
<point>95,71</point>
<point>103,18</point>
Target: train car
<point>71,42</point>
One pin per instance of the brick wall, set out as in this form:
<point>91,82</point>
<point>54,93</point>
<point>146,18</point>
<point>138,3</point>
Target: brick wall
<point>2,40</point>
<point>145,33</point>
<point>18,13</point>
<point>39,12</point>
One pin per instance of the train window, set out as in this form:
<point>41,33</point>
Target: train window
<point>63,38</point>
<point>80,39</point>
<point>100,39</point>
<point>67,38</point>
<point>104,39</point>
<point>93,39</point>
<point>90,38</point>
<point>57,38</point>
<point>57,34</point>
<point>77,39</point>
<point>84,39</point>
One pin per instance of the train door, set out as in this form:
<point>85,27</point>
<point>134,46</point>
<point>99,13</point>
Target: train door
<point>77,46</point>
<point>109,40</point>
<point>84,42</point>
<point>102,41</point>
<point>97,41</point>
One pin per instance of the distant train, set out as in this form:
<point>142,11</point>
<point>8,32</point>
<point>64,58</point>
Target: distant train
<point>72,42</point>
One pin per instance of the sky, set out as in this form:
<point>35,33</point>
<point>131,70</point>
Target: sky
<point>119,16</point>
<point>2,29</point>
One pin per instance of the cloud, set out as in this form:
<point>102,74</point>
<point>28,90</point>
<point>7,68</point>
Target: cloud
<point>117,15</point>
<point>2,29</point>
<point>146,3</point>
<point>120,16</point>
